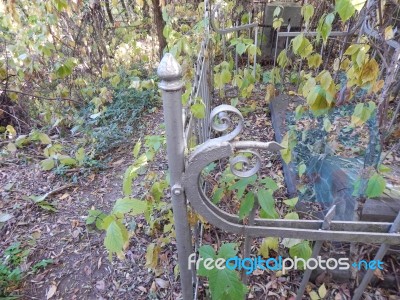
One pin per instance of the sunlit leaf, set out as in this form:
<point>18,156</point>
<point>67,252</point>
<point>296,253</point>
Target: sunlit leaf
<point>345,9</point>
<point>376,186</point>
<point>270,243</point>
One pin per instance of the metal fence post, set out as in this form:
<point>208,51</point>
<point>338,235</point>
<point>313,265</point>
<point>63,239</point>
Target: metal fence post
<point>170,73</point>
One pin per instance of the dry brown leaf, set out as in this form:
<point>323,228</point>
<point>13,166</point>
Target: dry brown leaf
<point>378,273</point>
<point>162,283</point>
<point>142,289</point>
<point>118,162</point>
<point>100,285</point>
<point>51,292</point>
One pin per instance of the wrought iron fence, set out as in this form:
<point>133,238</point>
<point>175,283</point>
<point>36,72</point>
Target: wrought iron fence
<point>186,168</point>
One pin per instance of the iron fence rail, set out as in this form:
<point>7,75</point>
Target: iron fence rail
<point>182,128</point>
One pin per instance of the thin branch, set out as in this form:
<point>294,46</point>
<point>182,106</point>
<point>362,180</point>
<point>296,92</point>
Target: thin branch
<point>19,120</point>
<point>41,97</point>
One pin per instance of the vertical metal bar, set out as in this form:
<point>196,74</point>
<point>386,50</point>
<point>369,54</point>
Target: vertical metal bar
<point>317,248</point>
<point>276,46</point>
<point>234,49</point>
<point>379,256</point>
<point>170,73</point>
<point>255,54</point>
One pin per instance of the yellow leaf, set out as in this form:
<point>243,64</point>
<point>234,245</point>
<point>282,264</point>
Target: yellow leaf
<point>152,255</point>
<point>12,132</point>
<point>308,87</point>
<point>270,93</point>
<point>378,86</point>
<point>345,64</point>
<point>322,291</point>
<point>369,71</point>
<point>286,153</point>
<point>269,243</point>
<point>389,34</point>
<point>314,60</point>
<point>314,296</point>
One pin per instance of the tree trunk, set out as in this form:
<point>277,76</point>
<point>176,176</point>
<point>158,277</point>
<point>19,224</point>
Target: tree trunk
<point>159,22</point>
<point>108,9</point>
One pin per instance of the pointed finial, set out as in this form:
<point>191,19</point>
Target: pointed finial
<point>170,73</point>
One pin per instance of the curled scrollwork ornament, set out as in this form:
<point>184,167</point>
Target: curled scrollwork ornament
<point>221,121</point>
<point>244,165</point>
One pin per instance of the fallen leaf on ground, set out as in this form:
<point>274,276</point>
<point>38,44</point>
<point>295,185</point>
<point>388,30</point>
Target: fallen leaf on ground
<point>100,285</point>
<point>162,283</point>
<point>52,290</point>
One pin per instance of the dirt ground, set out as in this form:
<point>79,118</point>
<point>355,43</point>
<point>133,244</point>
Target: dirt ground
<point>81,268</point>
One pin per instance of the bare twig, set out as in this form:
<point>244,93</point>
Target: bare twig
<point>41,97</point>
<point>16,118</point>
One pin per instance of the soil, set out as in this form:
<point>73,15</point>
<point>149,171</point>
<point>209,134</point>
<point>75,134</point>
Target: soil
<point>81,267</point>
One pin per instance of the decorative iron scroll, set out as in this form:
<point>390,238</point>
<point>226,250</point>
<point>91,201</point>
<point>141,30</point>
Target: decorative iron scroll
<point>223,147</point>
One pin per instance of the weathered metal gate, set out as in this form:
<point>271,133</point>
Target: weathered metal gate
<point>186,167</point>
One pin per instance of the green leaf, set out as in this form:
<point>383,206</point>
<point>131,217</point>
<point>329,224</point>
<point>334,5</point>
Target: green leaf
<point>95,216</point>
<point>302,46</point>
<point>40,198</point>
<point>266,201</point>
<point>205,251</point>
<point>217,196</point>
<point>376,186</point>
<point>131,173</point>
<point>242,184</point>
<point>129,205</point>
<point>44,138</point>
<point>80,155</point>
<point>292,216</point>
<point>269,183</point>
<point>291,202</point>
<point>47,206</point>
<point>302,169</point>
<point>384,169</point>
<point>67,161</point>
<point>63,70</point>
<point>246,206</point>
<point>116,237</point>
<point>270,243</point>
<point>21,141</point>
<point>228,250</point>
<point>226,76</point>
<point>282,59</point>
<point>47,164</point>
<point>301,250</point>
<point>61,4</point>
<point>361,114</point>
<point>317,101</point>
<point>307,11</point>
<point>225,283</point>
<point>345,9</point>
<point>327,125</point>
<point>198,110</point>
<point>115,81</point>
<point>241,48</point>
<point>136,149</point>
